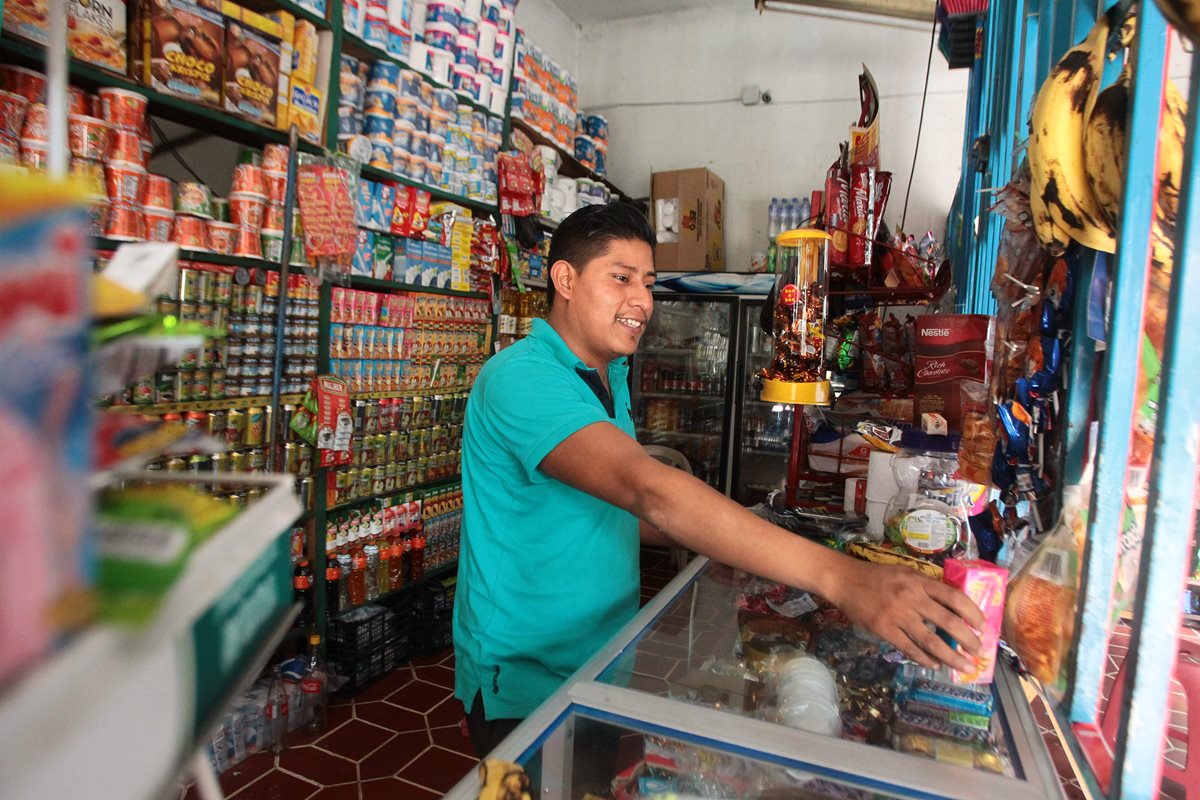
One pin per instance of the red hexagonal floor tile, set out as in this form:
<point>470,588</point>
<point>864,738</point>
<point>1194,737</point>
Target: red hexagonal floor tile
<point>246,771</point>
<point>392,717</point>
<point>380,689</point>
<point>346,791</point>
<point>394,756</point>
<point>451,738</point>
<point>394,789</point>
<point>438,769</point>
<point>355,740</point>
<point>438,675</point>
<point>419,696</point>
<point>448,712</point>
<point>319,766</point>
<point>277,785</point>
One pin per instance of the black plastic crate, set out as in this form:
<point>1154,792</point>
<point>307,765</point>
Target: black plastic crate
<point>365,669</point>
<point>361,631</point>
<point>430,638</point>
<point>435,600</point>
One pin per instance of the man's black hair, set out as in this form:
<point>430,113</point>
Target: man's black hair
<point>588,233</point>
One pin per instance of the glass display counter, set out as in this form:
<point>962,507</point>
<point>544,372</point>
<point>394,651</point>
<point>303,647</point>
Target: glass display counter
<point>690,699</point>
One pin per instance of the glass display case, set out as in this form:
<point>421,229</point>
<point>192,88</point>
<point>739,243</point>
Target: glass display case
<point>764,429</point>
<point>686,700</point>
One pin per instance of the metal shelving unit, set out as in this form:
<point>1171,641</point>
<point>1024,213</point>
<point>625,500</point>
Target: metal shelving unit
<point>570,166</point>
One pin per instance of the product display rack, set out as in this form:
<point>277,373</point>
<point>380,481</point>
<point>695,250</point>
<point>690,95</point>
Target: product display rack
<point>170,107</point>
<point>228,404</point>
<point>570,165</point>
<point>378,284</point>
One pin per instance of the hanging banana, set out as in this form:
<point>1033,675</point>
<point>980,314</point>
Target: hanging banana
<point>1104,145</point>
<point>1061,198</point>
<point>1184,15</point>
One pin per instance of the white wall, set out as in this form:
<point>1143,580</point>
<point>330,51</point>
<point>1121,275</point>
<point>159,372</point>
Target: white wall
<point>642,74</point>
<point>552,30</point>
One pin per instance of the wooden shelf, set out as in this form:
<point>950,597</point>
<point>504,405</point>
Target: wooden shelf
<point>227,404</point>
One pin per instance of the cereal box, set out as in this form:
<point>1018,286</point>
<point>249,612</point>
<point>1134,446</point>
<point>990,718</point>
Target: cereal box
<point>182,45</point>
<point>304,110</point>
<point>252,57</point>
<point>96,29</point>
<point>985,584</point>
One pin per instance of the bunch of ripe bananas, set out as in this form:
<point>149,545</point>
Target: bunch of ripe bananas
<point>1077,147</point>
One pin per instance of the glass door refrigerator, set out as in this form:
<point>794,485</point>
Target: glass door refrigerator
<point>681,379</point>
<point>763,430</point>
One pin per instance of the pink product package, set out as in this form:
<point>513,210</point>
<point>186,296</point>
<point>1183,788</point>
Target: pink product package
<point>985,584</point>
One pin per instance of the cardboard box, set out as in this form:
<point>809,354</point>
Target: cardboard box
<point>253,51</point>
<point>687,210</point>
<point>95,29</point>
<point>304,110</point>
<point>181,48</point>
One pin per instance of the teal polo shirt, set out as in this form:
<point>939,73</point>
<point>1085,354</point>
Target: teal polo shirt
<point>547,574</point>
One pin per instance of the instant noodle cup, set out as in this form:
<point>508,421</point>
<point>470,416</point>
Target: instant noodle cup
<point>126,110</point>
<point>160,193</point>
<point>12,114</point>
<point>34,154</point>
<point>125,182</point>
<point>220,209</point>
<point>10,154</point>
<point>90,174</point>
<point>125,223</point>
<point>246,209</point>
<point>97,208</point>
<point>126,146</point>
<point>275,184</point>
<point>28,83</point>
<point>195,199</point>
<point>159,223</point>
<point>191,232</point>
<point>88,137</point>
<point>248,178</point>
<point>79,102</point>
<point>275,157</point>
<point>273,216</point>
<point>36,125</point>
<point>272,245</point>
<point>248,243</point>
<point>222,236</point>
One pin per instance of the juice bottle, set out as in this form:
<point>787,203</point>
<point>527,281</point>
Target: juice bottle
<point>396,565</point>
<point>358,576</point>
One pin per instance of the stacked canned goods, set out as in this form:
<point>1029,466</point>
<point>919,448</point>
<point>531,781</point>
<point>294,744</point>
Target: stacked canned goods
<point>399,444</point>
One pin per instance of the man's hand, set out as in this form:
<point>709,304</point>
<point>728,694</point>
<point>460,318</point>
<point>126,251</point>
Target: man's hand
<point>895,603</point>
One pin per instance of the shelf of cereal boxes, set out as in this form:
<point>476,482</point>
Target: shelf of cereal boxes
<point>295,9</point>
<point>356,46</point>
<point>570,165</point>
<point>377,174</point>
<point>141,700</point>
<point>228,404</point>
<point>166,106</point>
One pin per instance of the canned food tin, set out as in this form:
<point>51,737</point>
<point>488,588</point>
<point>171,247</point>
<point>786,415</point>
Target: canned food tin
<point>183,385</point>
<point>291,459</point>
<point>214,423</point>
<point>235,427</point>
<point>220,462</point>
<point>256,459</point>
<point>378,480</point>
<point>201,462</point>
<point>216,384</point>
<point>238,461</point>
<point>200,385</point>
<point>175,465</point>
<point>306,458</point>
<point>304,489</point>
<point>255,422</point>
<point>190,285</point>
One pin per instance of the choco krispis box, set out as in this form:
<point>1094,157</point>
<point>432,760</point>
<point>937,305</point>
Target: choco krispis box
<point>252,57</point>
<point>181,48</point>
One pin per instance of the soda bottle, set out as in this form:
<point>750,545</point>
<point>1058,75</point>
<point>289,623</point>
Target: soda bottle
<point>358,577</point>
<point>383,577</point>
<point>277,713</point>
<point>314,690</point>
<point>371,552</point>
<point>302,581</point>
<point>343,560</point>
<point>418,559</point>
<point>396,565</point>
<point>333,581</point>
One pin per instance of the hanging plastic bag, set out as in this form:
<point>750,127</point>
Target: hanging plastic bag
<point>1039,614</point>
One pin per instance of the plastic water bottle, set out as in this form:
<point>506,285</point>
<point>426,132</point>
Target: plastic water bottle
<point>796,218</point>
<point>773,218</point>
<point>277,713</point>
<point>805,212</point>
<point>314,690</point>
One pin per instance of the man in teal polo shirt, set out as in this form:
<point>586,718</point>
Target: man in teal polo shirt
<point>558,496</point>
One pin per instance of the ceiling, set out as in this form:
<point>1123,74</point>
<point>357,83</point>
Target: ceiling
<point>590,12</point>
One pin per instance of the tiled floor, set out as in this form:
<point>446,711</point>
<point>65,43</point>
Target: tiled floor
<point>401,737</point>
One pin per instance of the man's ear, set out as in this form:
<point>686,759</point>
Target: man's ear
<point>563,276</point>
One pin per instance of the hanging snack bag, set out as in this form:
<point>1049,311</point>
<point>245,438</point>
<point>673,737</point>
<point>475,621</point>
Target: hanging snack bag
<point>1039,615</point>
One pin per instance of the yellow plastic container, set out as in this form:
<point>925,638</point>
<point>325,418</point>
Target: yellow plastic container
<point>798,371</point>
